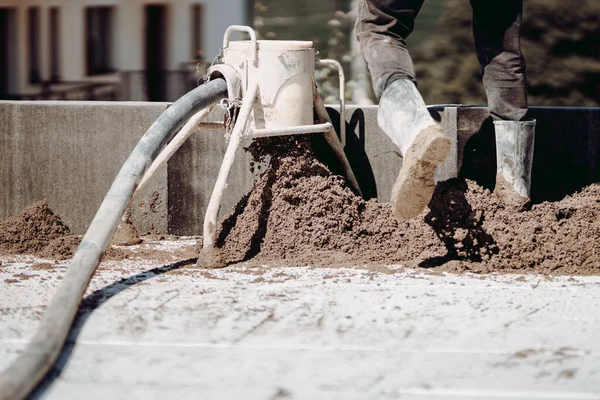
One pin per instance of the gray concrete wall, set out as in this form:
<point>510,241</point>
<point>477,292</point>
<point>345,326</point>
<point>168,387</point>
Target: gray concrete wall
<point>69,153</point>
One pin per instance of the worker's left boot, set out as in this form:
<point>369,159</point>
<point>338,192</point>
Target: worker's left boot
<point>514,157</point>
<point>405,119</point>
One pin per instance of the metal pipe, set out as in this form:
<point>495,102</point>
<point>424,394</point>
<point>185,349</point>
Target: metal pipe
<point>35,361</point>
<point>210,219</point>
<point>175,144</point>
<point>290,130</point>
<point>342,83</point>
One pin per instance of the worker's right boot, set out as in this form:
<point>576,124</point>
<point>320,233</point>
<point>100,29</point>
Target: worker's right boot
<point>514,158</point>
<point>404,118</point>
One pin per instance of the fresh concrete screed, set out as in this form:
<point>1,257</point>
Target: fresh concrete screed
<point>305,333</point>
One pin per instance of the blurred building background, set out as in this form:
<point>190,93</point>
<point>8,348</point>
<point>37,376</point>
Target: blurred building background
<point>149,49</point>
<point>109,49</point>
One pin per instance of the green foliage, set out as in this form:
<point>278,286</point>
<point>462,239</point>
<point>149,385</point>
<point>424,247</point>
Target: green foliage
<point>561,43</point>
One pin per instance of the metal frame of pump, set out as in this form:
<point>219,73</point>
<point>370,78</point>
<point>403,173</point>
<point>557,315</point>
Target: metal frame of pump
<point>242,131</point>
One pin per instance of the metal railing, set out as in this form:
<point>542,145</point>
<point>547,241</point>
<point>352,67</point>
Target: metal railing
<point>97,91</point>
<point>158,85</point>
<point>168,85</point>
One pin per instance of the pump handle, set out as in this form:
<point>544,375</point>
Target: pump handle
<point>249,31</point>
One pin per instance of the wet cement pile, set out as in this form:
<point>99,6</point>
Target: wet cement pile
<point>300,213</point>
<point>38,231</point>
<point>31,230</point>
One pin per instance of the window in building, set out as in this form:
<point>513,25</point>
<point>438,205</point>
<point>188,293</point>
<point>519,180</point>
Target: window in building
<point>5,51</point>
<point>55,44</point>
<point>33,37</point>
<point>98,40</point>
<point>197,20</point>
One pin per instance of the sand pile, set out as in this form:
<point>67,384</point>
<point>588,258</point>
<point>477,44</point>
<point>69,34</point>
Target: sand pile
<point>31,230</point>
<point>300,213</point>
<point>37,230</point>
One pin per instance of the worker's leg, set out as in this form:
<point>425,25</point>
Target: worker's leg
<point>497,31</point>
<point>382,27</point>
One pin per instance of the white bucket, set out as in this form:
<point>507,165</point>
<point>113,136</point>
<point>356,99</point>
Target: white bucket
<point>284,70</point>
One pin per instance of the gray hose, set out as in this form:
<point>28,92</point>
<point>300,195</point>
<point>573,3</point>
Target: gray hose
<point>31,366</point>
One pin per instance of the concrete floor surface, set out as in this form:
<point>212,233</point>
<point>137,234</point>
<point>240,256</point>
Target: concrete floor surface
<point>161,330</point>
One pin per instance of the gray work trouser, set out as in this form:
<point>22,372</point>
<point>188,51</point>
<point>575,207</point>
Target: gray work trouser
<point>383,25</point>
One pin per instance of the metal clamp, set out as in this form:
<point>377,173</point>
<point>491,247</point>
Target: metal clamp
<point>249,31</point>
<point>342,76</point>
<point>231,76</point>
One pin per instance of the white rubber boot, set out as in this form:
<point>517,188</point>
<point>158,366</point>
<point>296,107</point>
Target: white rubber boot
<point>404,118</point>
<point>514,157</point>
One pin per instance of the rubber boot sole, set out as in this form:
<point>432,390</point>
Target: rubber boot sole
<point>415,183</point>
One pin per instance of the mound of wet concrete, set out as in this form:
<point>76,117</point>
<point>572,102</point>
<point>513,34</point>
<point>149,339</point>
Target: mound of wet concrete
<point>299,213</point>
<point>31,230</point>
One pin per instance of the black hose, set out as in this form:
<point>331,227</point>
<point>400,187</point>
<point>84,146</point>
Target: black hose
<point>22,376</point>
